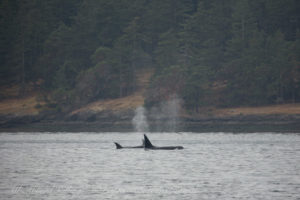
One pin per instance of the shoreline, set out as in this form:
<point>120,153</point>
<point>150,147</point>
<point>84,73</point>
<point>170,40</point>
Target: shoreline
<point>236,124</point>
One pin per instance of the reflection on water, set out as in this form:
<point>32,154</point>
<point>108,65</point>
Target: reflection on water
<point>87,166</point>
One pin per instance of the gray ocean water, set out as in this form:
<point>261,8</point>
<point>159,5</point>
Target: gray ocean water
<point>87,166</point>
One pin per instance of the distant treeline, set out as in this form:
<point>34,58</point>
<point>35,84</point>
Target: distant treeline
<point>208,52</point>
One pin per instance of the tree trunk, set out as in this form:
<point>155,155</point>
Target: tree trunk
<point>22,85</point>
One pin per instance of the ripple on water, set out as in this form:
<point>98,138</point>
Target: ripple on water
<point>87,166</point>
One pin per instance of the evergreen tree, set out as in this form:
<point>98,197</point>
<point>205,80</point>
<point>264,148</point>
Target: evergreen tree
<point>88,50</point>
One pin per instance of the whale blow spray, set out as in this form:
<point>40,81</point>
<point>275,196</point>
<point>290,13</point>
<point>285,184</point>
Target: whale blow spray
<point>139,120</point>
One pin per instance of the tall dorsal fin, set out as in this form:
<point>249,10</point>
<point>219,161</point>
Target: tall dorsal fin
<point>147,142</point>
<point>118,146</point>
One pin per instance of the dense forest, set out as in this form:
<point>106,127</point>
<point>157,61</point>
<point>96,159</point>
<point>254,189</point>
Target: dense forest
<point>207,52</point>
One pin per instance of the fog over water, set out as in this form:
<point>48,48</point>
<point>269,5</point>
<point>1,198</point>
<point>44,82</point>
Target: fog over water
<point>87,166</point>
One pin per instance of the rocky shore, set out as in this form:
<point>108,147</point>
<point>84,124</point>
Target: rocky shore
<point>122,122</point>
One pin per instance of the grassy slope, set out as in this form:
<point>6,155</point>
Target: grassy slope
<point>28,105</point>
<point>14,105</point>
<point>19,107</point>
<point>262,110</point>
<point>121,104</point>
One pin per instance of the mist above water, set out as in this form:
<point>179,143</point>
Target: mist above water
<point>163,117</point>
<point>170,110</point>
<point>139,120</point>
<point>166,115</point>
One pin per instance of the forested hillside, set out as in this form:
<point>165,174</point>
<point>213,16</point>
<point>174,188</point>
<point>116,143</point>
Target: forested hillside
<point>207,52</point>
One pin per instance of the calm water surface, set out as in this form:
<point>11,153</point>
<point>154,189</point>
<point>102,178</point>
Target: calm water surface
<point>87,166</point>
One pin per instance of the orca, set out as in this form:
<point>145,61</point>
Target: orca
<point>118,146</point>
<point>148,145</point>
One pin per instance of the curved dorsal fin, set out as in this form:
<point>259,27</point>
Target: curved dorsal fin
<point>147,142</point>
<point>118,146</point>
